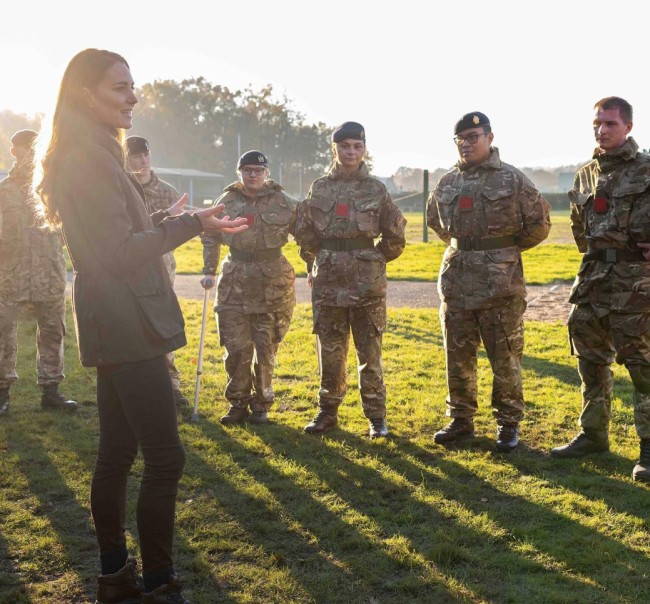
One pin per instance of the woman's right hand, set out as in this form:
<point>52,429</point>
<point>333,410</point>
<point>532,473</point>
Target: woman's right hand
<point>211,224</point>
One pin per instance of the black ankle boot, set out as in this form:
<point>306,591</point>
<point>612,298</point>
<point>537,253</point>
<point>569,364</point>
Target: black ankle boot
<point>122,587</point>
<point>457,428</point>
<point>53,399</point>
<point>641,470</point>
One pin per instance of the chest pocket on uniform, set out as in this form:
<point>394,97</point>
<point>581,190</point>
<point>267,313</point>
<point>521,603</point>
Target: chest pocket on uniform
<point>321,209</point>
<point>367,215</point>
<point>502,211</point>
<point>275,221</point>
<point>624,202</point>
<point>446,202</point>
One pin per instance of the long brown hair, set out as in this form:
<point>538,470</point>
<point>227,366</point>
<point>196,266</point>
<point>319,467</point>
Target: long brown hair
<point>72,121</point>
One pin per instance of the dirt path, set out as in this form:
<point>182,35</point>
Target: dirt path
<point>545,302</point>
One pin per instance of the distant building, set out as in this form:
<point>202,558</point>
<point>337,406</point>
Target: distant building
<point>202,187</point>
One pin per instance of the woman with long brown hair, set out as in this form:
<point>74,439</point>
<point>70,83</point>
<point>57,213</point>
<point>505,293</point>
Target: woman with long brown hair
<point>127,316</point>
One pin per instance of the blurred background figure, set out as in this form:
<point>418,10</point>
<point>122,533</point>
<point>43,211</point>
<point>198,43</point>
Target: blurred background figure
<point>32,281</point>
<point>158,196</point>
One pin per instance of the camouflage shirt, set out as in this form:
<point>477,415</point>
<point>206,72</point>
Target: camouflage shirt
<point>32,265</point>
<point>259,286</point>
<point>488,200</point>
<point>159,196</point>
<point>349,206</point>
<point>610,209</point>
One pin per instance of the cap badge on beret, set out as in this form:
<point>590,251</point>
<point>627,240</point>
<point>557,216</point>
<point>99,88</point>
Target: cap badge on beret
<point>261,159</point>
<point>476,119</point>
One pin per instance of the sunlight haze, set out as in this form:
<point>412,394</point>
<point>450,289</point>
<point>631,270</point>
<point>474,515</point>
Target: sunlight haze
<point>406,70</point>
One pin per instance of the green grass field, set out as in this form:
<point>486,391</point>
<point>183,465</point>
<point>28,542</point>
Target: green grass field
<point>553,261</point>
<point>271,515</point>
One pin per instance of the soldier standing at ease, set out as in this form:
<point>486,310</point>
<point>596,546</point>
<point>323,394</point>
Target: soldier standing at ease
<point>610,219</point>
<point>345,211</point>
<point>487,212</point>
<point>158,195</point>
<point>255,291</point>
<point>32,279</point>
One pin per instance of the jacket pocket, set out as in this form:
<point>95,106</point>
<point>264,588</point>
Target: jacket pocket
<point>367,215</point>
<point>445,200</point>
<point>502,212</point>
<point>275,222</point>
<point>321,208</point>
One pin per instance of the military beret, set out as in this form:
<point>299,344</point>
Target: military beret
<point>253,158</point>
<point>23,138</point>
<point>348,130</point>
<point>471,120</point>
<point>137,144</point>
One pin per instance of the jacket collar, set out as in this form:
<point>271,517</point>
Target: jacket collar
<point>493,162</point>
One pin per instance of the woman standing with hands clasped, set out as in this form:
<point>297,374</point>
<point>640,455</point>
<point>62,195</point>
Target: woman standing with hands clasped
<point>127,316</point>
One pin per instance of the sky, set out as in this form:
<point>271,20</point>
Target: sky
<point>406,70</point>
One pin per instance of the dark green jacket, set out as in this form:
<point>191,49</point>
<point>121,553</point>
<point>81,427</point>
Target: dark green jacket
<point>125,307</point>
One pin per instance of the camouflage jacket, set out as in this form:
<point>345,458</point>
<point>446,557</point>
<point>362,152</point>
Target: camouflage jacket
<point>265,285</point>
<point>489,200</point>
<point>349,206</point>
<point>32,265</point>
<point>160,195</point>
<point>610,209</point>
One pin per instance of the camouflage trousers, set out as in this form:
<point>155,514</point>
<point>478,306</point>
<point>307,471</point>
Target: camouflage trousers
<point>332,325</point>
<point>50,331</point>
<point>501,329</point>
<point>251,342</point>
<point>598,341</point>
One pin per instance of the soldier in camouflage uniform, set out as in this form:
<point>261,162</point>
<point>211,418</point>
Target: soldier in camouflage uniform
<point>32,281</point>
<point>610,219</point>
<point>487,212</point>
<point>158,195</point>
<point>345,211</point>
<point>255,290</point>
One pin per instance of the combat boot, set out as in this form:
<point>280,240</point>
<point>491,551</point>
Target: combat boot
<point>122,587</point>
<point>507,437</point>
<point>180,400</point>
<point>259,418</point>
<point>324,421</point>
<point>457,428</point>
<point>235,415</point>
<point>586,442</point>
<point>378,427</point>
<point>170,593</point>
<point>641,470</point>
<point>4,400</point>
<point>53,399</point>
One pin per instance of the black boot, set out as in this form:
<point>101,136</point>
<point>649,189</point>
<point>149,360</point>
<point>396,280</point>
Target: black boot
<point>586,442</point>
<point>170,593</point>
<point>122,587</point>
<point>507,437</point>
<point>235,415</point>
<point>457,428</point>
<point>180,400</point>
<point>4,400</point>
<point>641,470</point>
<point>377,427</point>
<point>53,399</point>
<point>324,421</point>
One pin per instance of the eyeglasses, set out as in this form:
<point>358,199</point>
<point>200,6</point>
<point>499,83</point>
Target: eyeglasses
<point>251,171</point>
<point>472,139</point>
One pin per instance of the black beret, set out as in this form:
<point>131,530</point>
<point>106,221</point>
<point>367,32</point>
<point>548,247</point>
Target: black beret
<point>23,138</point>
<point>352,130</point>
<point>137,144</point>
<point>253,158</point>
<point>471,120</point>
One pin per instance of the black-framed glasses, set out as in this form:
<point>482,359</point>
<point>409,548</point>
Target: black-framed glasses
<point>251,171</point>
<point>472,138</point>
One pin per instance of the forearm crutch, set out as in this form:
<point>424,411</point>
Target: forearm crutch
<point>199,365</point>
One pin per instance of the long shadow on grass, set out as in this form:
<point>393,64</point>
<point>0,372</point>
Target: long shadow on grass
<point>11,589</point>
<point>325,555</point>
<point>59,504</point>
<point>557,535</point>
<point>437,546</point>
<point>471,557</point>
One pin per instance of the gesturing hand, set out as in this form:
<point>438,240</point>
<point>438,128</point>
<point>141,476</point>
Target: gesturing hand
<point>179,206</point>
<point>212,224</point>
